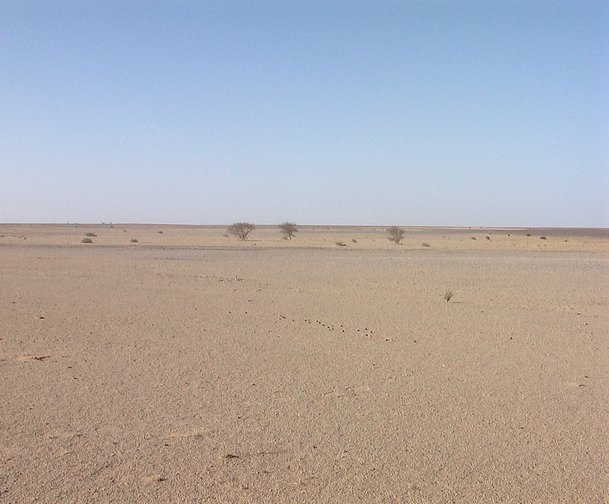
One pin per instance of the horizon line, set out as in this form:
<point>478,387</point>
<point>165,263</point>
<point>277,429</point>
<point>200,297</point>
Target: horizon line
<point>301,225</point>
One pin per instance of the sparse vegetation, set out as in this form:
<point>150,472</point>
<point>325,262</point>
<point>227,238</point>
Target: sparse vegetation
<point>340,244</point>
<point>288,230</point>
<point>86,240</point>
<point>448,295</point>
<point>133,240</point>
<point>160,232</point>
<point>353,240</point>
<point>488,237</point>
<point>528,234</point>
<point>542,238</point>
<point>425,244</point>
<point>473,238</point>
<point>241,229</point>
<point>396,234</point>
<point>92,235</point>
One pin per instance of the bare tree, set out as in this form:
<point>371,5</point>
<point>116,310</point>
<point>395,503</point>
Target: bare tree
<point>395,234</point>
<point>241,229</point>
<point>288,229</point>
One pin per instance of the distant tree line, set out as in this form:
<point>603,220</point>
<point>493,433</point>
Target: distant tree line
<point>288,230</point>
<point>242,230</point>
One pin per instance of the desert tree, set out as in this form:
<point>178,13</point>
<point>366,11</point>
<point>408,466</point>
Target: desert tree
<point>288,229</point>
<point>396,234</point>
<point>241,229</point>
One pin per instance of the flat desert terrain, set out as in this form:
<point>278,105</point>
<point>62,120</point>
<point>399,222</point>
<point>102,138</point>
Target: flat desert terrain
<point>191,367</point>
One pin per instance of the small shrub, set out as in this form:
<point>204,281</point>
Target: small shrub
<point>353,240</point>
<point>473,238</point>
<point>542,238</point>
<point>241,229</point>
<point>396,234</point>
<point>86,240</point>
<point>288,230</point>
<point>488,237</point>
<point>92,235</point>
<point>133,240</point>
<point>425,244</point>
<point>448,295</point>
<point>528,234</point>
<point>340,244</point>
<point>160,232</point>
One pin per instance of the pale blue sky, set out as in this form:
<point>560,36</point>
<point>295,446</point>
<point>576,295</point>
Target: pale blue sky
<point>380,112</point>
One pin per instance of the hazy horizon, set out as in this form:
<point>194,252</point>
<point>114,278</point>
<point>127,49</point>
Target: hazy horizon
<point>300,225</point>
<point>456,114</point>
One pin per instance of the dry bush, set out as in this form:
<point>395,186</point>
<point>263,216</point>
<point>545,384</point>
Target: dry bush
<point>448,295</point>
<point>133,240</point>
<point>288,230</point>
<point>353,240</point>
<point>340,244</point>
<point>425,244</point>
<point>241,229</point>
<point>396,234</point>
<point>86,240</point>
<point>542,238</point>
<point>92,235</point>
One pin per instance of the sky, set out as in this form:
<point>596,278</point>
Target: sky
<point>445,113</point>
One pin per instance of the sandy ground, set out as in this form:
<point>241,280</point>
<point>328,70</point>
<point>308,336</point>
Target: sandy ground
<point>191,367</point>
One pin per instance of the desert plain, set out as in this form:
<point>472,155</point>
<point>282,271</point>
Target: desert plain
<point>177,364</point>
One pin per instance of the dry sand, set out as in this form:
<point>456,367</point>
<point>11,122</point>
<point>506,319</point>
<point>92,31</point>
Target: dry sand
<point>190,367</point>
